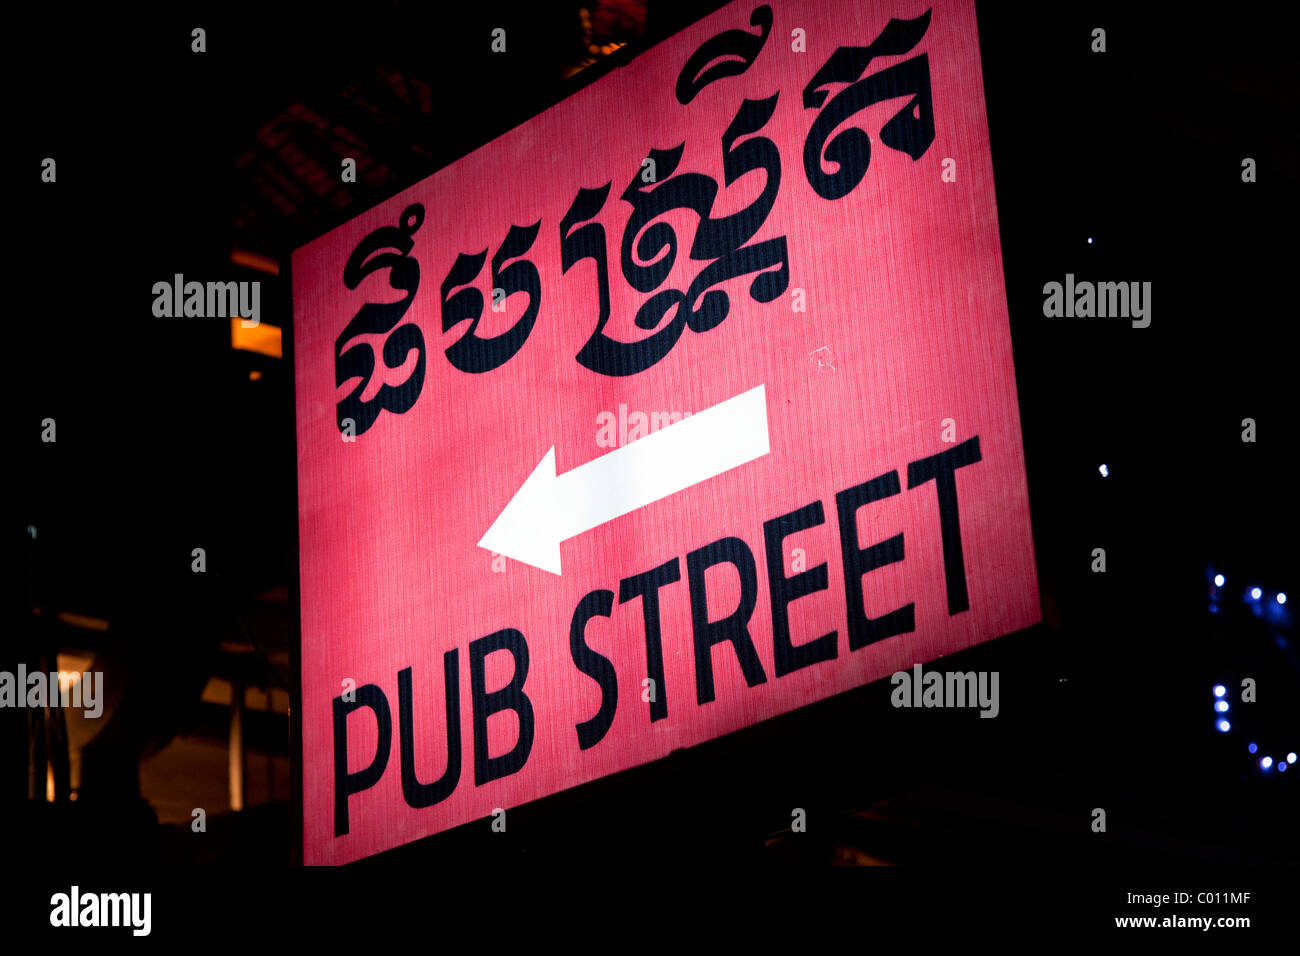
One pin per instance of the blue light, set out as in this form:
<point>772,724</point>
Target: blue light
<point>1281,597</point>
<point>1104,471</point>
<point>1090,240</point>
<point>1253,747</point>
<point>1219,690</point>
<point>1224,726</point>
<point>1214,608</point>
<point>1281,765</point>
<point>1218,580</point>
<point>1221,706</point>
<point>1256,594</point>
<point>1266,762</point>
<point>1290,758</point>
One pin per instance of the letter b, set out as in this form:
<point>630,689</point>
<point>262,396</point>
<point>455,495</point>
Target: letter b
<point>510,697</point>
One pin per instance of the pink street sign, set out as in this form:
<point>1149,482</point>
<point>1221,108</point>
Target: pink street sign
<point>684,404</point>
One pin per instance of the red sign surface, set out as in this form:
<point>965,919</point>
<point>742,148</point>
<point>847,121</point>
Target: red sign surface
<point>686,403</point>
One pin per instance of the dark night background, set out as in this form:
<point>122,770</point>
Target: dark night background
<point>165,163</point>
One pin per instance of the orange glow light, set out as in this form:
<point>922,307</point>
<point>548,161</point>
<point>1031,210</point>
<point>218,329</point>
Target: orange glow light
<point>251,260</point>
<point>260,338</point>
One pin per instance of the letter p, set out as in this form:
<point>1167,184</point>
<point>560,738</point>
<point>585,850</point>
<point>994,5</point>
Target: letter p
<point>346,784</point>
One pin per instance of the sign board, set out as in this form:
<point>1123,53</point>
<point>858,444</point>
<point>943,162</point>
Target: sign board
<point>686,403</point>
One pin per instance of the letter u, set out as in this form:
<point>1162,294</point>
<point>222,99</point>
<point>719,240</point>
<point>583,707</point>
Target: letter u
<point>418,794</point>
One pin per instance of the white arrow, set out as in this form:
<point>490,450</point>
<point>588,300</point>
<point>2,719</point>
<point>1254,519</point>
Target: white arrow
<point>550,509</point>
